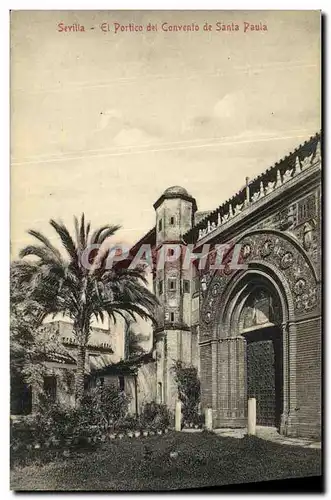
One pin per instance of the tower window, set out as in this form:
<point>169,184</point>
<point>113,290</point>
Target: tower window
<point>172,284</point>
<point>172,317</point>
<point>172,221</point>
<point>160,287</point>
<point>160,225</point>
<point>186,286</point>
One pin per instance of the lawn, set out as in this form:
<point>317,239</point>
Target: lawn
<point>200,460</point>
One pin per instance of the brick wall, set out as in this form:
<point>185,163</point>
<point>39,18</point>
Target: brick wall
<point>206,375</point>
<point>308,376</point>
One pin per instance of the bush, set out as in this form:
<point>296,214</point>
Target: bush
<point>188,385</point>
<point>22,434</point>
<point>127,423</point>
<point>155,416</point>
<point>58,424</point>
<point>113,403</point>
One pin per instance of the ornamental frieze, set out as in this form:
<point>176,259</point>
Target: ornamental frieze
<point>286,257</point>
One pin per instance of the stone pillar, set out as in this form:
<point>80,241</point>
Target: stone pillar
<point>209,419</point>
<point>286,390</point>
<point>214,361</point>
<point>178,416</point>
<point>251,417</point>
<point>292,419</point>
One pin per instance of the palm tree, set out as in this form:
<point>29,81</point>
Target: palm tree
<point>59,283</point>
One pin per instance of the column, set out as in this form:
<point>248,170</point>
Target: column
<point>286,388</point>
<point>232,382</point>
<point>292,427</point>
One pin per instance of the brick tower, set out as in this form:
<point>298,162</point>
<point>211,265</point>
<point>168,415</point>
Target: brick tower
<point>172,284</point>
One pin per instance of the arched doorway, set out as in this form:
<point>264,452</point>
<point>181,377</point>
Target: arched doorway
<point>257,317</point>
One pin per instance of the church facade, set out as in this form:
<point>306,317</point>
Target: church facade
<point>253,331</point>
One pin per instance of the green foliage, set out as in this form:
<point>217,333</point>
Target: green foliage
<point>188,385</point>
<point>155,416</point>
<point>105,405</point>
<point>60,282</point>
<point>31,344</point>
<point>60,426</point>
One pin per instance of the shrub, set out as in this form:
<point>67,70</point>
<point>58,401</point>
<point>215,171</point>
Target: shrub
<point>155,416</point>
<point>56,425</point>
<point>127,423</point>
<point>22,434</point>
<point>104,406</point>
<point>113,403</point>
<point>188,385</point>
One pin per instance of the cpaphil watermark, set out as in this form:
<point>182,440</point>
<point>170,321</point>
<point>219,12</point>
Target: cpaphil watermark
<point>227,256</point>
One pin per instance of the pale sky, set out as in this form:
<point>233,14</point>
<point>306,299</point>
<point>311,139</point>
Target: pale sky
<point>104,123</point>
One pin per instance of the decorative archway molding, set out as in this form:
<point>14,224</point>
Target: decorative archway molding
<point>282,259</point>
<point>238,289</point>
<point>260,272</point>
<point>278,261</point>
<point>287,237</point>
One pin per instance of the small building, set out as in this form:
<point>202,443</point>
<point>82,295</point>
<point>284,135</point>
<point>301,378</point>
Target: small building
<point>135,376</point>
<point>104,364</point>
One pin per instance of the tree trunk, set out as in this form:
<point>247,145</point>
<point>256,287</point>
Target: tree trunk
<point>81,355</point>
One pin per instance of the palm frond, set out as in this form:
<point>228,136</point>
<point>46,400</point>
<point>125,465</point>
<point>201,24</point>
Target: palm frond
<point>43,239</point>
<point>66,239</point>
<point>107,233</point>
<point>76,224</point>
<point>95,238</point>
<point>42,252</point>
<point>82,231</point>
